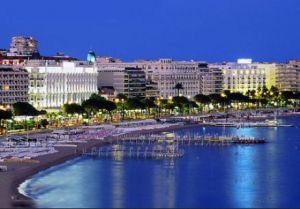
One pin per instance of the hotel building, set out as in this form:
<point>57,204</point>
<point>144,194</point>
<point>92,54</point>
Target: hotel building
<point>129,81</point>
<point>13,86</point>
<point>242,76</point>
<point>52,84</point>
<point>164,74</point>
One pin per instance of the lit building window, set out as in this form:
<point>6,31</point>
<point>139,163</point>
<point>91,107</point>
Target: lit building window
<point>5,88</point>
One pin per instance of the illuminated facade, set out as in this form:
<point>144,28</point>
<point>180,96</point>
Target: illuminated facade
<point>166,73</point>
<point>53,84</point>
<point>162,76</point>
<point>13,86</point>
<point>242,77</point>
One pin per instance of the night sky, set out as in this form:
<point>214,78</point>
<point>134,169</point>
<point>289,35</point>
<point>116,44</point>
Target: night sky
<point>206,30</point>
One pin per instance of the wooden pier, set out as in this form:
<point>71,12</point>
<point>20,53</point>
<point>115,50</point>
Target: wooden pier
<point>120,151</point>
<point>195,139</point>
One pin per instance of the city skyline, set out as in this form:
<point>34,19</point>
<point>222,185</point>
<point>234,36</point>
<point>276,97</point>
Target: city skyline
<point>212,31</point>
<point>149,104</point>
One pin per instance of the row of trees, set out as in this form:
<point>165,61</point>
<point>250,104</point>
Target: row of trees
<point>156,106</point>
<point>21,109</point>
<point>99,107</point>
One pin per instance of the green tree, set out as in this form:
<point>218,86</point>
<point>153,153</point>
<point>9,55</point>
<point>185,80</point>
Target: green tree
<point>24,109</point>
<point>237,97</point>
<point>217,99</point>
<point>178,87</point>
<point>203,100</point>
<point>149,103</point>
<point>109,106</point>
<point>287,97</point>
<point>73,109</point>
<point>4,115</point>
<point>94,104</point>
<point>43,112</point>
<point>135,103</point>
<point>180,102</point>
<point>191,106</point>
<point>44,123</point>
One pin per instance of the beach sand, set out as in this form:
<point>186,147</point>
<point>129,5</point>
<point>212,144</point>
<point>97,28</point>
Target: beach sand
<point>18,172</point>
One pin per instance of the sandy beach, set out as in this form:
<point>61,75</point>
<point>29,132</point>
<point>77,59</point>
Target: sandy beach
<point>18,172</point>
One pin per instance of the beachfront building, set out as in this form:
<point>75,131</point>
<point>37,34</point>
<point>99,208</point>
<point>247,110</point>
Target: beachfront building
<point>296,64</point>
<point>151,89</point>
<point>13,86</point>
<point>53,83</point>
<point>195,77</point>
<point>242,76</point>
<point>212,80</point>
<point>166,73</point>
<point>129,81</point>
<point>163,75</point>
<point>287,77</point>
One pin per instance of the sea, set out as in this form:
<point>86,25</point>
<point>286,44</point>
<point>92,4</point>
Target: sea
<point>235,176</point>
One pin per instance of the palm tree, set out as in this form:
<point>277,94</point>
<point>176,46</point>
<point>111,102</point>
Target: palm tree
<point>178,87</point>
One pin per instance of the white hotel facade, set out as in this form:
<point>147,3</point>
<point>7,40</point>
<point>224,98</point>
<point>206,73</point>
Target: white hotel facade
<point>52,84</point>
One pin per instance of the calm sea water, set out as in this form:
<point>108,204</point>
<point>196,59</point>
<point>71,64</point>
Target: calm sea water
<point>265,175</point>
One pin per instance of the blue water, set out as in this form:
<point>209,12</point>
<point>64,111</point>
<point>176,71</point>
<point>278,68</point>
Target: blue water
<point>266,175</point>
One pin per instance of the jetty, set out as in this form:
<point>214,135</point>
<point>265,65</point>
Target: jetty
<point>153,151</point>
<point>192,139</point>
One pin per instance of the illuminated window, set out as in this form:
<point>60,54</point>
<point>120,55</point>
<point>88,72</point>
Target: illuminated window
<point>5,88</point>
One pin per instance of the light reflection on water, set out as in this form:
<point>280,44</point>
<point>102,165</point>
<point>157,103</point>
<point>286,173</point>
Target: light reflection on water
<point>236,176</point>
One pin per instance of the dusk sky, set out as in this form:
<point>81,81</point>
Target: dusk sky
<point>207,30</point>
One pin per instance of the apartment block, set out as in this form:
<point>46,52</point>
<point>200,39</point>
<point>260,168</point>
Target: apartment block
<point>13,86</point>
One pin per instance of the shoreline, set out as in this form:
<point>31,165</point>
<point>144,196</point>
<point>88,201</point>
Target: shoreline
<point>19,172</point>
